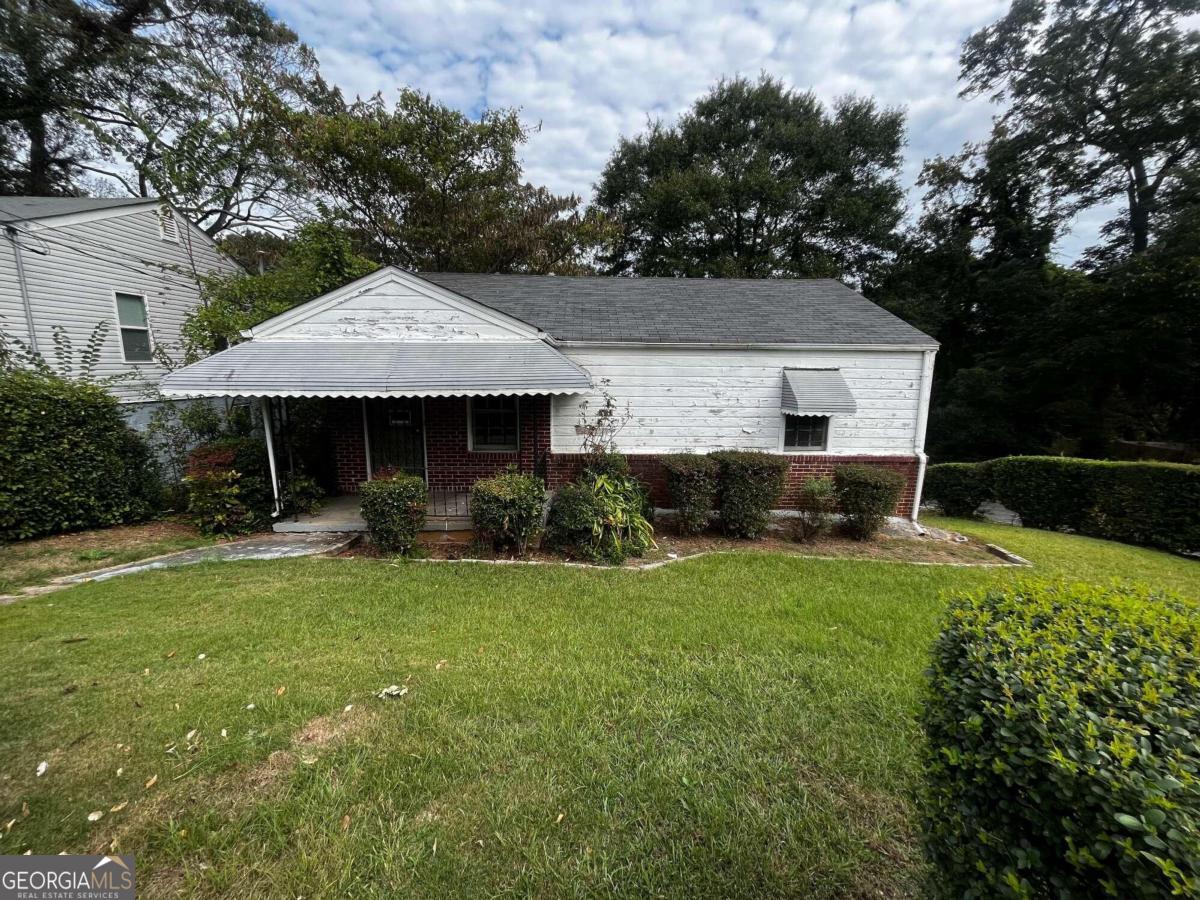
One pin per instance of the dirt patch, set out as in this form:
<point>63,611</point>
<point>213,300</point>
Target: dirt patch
<point>331,729</point>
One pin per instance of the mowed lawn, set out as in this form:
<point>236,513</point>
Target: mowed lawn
<point>738,725</point>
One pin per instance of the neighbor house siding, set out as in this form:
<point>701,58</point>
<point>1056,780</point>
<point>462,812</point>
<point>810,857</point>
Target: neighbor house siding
<point>72,272</point>
<point>702,400</point>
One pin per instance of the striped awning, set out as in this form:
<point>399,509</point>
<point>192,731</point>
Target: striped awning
<point>379,369</point>
<point>816,392</point>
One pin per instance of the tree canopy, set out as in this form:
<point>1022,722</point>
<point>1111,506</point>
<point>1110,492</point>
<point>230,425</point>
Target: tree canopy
<point>757,180</point>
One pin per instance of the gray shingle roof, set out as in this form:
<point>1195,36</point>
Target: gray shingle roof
<point>378,369</point>
<point>15,209</point>
<point>688,310</point>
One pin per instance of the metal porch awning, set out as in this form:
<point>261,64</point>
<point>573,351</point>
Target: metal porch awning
<point>379,369</point>
<point>816,392</point>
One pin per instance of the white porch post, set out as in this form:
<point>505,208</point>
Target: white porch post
<point>366,439</point>
<point>265,405</point>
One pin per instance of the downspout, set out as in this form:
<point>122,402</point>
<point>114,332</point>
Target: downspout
<point>11,233</point>
<point>922,421</point>
<point>367,438</point>
<point>265,405</point>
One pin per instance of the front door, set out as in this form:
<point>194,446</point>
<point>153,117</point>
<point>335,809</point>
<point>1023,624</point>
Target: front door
<point>396,426</point>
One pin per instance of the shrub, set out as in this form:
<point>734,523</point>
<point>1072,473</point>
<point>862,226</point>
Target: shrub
<point>1156,504</point>
<point>394,510</point>
<point>600,519</point>
<point>507,510</point>
<point>692,482</point>
<point>867,495</point>
<point>814,512</point>
<point>68,459</point>
<point>958,488</point>
<point>751,485</point>
<point>1063,759</point>
<point>229,485</point>
<point>302,494</point>
<point>215,503</point>
<point>615,466</point>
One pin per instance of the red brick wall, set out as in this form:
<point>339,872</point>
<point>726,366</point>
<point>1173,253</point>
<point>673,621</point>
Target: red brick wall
<point>450,464</point>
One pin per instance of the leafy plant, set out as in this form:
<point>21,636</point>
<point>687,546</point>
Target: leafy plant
<point>814,511</point>
<point>394,509</point>
<point>507,510</point>
<point>751,485</point>
<point>866,495</point>
<point>302,494</point>
<point>958,488</point>
<point>692,481</point>
<point>215,502</point>
<point>601,518</point>
<point>1063,744</point>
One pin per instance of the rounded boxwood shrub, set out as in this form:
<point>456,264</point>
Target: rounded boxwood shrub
<point>866,495</point>
<point>692,482</point>
<point>393,507</point>
<point>68,459</point>
<point>1063,756</point>
<point>751,484</point>
<point>958,488</point>
<point>507,510</point>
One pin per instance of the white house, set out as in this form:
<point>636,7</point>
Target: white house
<point>457,376</point>
<point>68,264</point>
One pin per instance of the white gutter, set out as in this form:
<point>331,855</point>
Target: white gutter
<point>922,422</point>
<point>688,345</point>
<point>11,233</point>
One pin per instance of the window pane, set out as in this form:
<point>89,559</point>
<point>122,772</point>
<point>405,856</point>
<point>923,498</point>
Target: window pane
<point>805,432</point>
<point>494,423</point>
<point>136,344</point>
<point>131,310</point>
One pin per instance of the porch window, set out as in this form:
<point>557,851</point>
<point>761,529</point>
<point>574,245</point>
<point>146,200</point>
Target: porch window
<point>135,328</point>
<point>493,424</point>
<point>805,432</point>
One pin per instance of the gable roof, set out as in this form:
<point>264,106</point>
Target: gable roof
<point>18,209</point>
<point>722,311</point>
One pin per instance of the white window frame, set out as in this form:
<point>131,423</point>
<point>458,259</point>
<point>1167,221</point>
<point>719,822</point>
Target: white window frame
<point>167,214</point>
<point>148,329</point>
<point>802,451</point>
<point>471,428</point>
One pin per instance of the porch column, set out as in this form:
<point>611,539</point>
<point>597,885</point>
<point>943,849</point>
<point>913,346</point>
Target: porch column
<point>265,405</point>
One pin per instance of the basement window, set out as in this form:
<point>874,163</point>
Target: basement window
<point>493,424</point>
<point>135,328</point>
<point>805,432</point>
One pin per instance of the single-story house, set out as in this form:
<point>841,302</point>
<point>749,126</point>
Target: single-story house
<point>457,376</point>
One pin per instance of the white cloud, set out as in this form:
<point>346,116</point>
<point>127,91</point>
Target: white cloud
<point>591,72</point>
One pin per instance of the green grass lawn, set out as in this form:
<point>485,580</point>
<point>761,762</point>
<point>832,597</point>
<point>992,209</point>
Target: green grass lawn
<point>736,725</point>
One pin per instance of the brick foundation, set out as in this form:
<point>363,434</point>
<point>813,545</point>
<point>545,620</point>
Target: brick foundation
<point>450,464</point>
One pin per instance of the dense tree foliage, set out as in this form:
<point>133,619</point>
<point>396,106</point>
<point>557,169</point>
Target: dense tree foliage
<point>425,187</point>
<point>758,181</point>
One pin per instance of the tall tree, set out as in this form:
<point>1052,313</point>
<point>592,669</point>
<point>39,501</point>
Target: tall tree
<point>425,187</point>
<point>1108,89</point>
<point>758,181</point>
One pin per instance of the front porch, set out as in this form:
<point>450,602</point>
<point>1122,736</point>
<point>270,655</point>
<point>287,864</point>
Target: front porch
<point>448,513</point>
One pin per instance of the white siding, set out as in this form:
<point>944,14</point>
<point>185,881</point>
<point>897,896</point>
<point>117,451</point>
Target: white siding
<point>394,310</point>
<point>72,272</point>
<point>702,400</point>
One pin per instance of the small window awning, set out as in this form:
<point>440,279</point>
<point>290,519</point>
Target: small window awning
<point>379,369</point>
<point>816,392</point>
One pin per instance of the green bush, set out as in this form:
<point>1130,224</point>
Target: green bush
<point>751,485</point>
<point>615,466</point>
<point>814,511</point>
<point>692,481</point>
<point>302,494</point>
<point>866,495</point>
<point>1151,503</point>
<point>68,459</point>
<point>215,503</point>
<point>394,510</point>
<point>600,519</point>
<point>507,510</point>
<point>1063,758</point>
<point>958,488</point>
<point>229,486</point>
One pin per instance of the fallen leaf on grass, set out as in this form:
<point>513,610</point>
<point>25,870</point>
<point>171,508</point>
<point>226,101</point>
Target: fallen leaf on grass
<point>120,771</point>
<point>42,767</point>
<point>152,781</point>
<point>249,706</point>
<point>441,665</point>
<point>120,806</point>
<point>345,823</point>
<point>8,825</point>
<point>191,734</point>
<point>202,656</point>
<point>561,816</point>
<point>279,690</point>
<point>24,810</point>
<point>169,655</point>
<point>96,816</point>
<point>224,733</point>
<point>393,690</point>
<point>349,706</point>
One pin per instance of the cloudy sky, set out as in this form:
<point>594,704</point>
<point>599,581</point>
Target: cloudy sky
<point>589,72</point>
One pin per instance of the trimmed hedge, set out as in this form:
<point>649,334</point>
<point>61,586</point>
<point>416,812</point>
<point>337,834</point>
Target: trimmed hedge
<point>958,488</point>
<point>1063,727</point>
<point>506,511</point>
<point>394,509</point>
<point>68,459</point>
<point>1150,503</point>
<point>751,485</point>
<point>867,495</point>
<point>692,482</point>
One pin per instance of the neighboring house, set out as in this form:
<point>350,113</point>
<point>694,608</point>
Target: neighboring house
<point>456,377</point>
<point>69,263</point>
